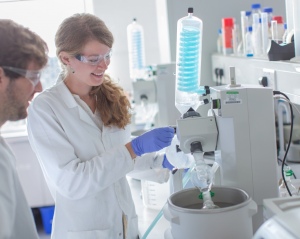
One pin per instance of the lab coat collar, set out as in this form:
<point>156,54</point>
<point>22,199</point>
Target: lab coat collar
<point>70,102</point>
<point>66,95</point>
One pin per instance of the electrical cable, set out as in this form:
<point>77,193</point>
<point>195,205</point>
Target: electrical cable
<point>275,92</point>
<point>293,105</point>
<point>216,127</point>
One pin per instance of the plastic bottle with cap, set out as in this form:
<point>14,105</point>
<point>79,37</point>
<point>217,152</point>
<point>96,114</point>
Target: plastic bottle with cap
<point>135,37</point>
<point>256,8</point>
<point>248,43</point>
<point>248,14</point>
<point>256,35</point>
<point>249,18</point>
<point>269,11</point>
<point>245,23</point>
<point>280,27</point>
<point>188,62</point>
<point>227,28</point>
<point>265,33</point>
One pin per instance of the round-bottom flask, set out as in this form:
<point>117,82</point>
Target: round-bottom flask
<point>202,176</point>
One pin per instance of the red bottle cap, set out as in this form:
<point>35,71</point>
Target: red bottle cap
<point>279,19</point>
<point>228,22</point>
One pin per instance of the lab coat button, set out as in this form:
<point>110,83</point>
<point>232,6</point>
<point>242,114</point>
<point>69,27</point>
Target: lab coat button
<point>120,234</point>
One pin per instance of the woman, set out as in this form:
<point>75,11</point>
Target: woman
<point>80,132</point>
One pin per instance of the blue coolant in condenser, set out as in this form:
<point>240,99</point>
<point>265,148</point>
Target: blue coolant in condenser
<point>188,62</point>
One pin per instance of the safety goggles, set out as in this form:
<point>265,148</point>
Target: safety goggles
<point>95,60</point>
<point>33,76</point>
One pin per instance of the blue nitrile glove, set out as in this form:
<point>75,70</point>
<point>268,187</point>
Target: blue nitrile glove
<point>153,140</point>
<point>166,163</point>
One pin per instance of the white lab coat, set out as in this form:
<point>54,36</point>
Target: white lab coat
<point>16,219</point>
<point>84,167</point>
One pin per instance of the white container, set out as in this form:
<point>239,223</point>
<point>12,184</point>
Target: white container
<point>265,33</point>
<point>256,35</point>
<point>155,195</point>
<point>256,8</point>
<point>233,220</point>
<point>249,52</point>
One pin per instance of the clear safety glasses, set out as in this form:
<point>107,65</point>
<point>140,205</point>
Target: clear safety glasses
<point>94,60</point>
<point>33,76</point>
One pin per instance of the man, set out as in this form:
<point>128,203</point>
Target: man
<point>22,55</point>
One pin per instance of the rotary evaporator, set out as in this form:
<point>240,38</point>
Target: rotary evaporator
<point>239,129</point>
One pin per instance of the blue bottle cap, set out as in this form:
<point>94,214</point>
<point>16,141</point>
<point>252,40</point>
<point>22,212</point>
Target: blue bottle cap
<point>248,13</point>
<point>255,5</point>
<point>268,9</point>
<point>250,29</point>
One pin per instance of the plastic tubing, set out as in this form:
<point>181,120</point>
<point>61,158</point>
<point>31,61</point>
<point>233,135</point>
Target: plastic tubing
<point>185,180</point>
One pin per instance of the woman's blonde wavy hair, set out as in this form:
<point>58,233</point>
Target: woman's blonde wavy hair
<point>73,33</point>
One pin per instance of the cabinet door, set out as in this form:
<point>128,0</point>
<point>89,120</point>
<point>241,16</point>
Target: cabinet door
<point>30,173</point>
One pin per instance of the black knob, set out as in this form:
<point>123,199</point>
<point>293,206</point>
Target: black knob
<point>263,81</point>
